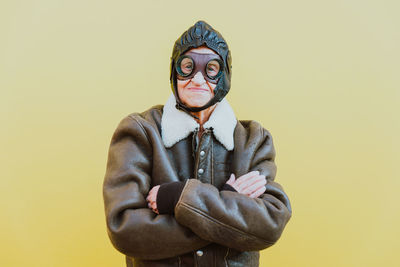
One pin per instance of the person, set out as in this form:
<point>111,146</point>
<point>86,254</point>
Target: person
<point>187,184</point>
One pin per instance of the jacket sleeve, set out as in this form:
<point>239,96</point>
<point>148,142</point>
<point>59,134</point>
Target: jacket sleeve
<point>233,219</point>
<point>134,229</point>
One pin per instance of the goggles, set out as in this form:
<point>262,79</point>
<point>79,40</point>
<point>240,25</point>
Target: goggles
<point>210,65</point>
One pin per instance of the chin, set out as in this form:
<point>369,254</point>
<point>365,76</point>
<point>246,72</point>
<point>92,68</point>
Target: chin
<point>197,102</point>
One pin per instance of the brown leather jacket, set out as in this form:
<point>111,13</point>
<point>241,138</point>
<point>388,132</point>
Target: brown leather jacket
<point>210,227</point>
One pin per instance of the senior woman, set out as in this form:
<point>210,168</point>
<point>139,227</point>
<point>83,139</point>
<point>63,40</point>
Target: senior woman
<point>187,184</point>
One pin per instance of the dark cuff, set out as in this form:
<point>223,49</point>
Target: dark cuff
<point>228,187</point>
<point>167,197</point>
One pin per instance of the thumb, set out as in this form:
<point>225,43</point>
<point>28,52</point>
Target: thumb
<point>231,179</point>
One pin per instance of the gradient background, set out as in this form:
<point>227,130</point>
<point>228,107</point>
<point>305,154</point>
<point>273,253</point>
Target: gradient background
<point>322,76</point>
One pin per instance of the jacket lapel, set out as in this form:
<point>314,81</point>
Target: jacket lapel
<point>176,125</point>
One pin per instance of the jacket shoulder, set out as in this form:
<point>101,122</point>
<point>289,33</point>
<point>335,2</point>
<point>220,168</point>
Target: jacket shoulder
<point>142,123</point>
<point>153,114</point>
<point>252,128</point>
<point>150,118</point>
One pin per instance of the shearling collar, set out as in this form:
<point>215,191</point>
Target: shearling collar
<point>177,125</point>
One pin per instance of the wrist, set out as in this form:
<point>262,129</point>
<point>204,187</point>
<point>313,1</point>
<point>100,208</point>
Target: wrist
<point>228,187</point>
<point>168,196</point>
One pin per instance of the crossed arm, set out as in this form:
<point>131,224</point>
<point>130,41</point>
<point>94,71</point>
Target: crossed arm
<point>203,215</point>
<point>251,184</point>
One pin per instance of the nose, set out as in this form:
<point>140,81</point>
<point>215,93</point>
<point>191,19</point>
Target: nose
<point>198,79</point>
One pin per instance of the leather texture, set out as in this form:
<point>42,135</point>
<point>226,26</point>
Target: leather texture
<point>210,227</point>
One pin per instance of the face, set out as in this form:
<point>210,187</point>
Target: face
<point>197,89</point>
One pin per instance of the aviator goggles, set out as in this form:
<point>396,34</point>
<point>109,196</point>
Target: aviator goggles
<point>210,65</point>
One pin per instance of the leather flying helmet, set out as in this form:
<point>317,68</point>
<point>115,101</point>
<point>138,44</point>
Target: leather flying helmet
<point>215,69</point>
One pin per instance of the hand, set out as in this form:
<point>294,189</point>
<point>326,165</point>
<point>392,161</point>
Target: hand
<point>251,184</point>
<point>152,199</point>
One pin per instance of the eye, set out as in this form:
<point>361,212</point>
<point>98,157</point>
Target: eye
<point>186,66</point>
<point>213,68</point>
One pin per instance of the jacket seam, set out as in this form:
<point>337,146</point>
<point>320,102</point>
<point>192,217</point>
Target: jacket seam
<point>196,264</point>
<point>225,258</point>
<point>141,127</point>
<point>223,224</point>
<point>262,133</point>
<point>181,196</point>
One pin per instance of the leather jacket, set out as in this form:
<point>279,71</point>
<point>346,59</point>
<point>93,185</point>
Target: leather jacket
<point>210,227</point>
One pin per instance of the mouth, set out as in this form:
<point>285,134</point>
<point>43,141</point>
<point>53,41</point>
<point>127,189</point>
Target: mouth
<point>198,89</point>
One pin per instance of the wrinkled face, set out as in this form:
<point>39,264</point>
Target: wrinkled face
<point>197,89</point>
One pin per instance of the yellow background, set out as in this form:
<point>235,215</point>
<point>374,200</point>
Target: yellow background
<point>322,76</point>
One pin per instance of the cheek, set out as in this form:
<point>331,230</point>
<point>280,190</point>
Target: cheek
<point>183,96</point>
<point>194,99</point>
<point>212,86</point>
<point>181,86</point>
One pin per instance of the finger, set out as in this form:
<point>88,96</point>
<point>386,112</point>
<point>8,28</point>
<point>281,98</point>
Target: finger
<point>251,181</point>
<point>150,193</point>
<point>149,205</point>
<point>153,193</point>
<point>254,180</point>
<point>156,189</point>
<point>247,176</point>
<point>231,179</point>
<point>258,192</point>
<point>254,187</point>
<point>154,205</point>
<point>243,178</point>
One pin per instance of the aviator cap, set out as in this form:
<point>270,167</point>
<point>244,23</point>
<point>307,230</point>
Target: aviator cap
<point>201,33</point>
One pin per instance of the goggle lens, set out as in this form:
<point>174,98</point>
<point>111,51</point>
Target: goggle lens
<point>186,66</point>
<point>213,68</point>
